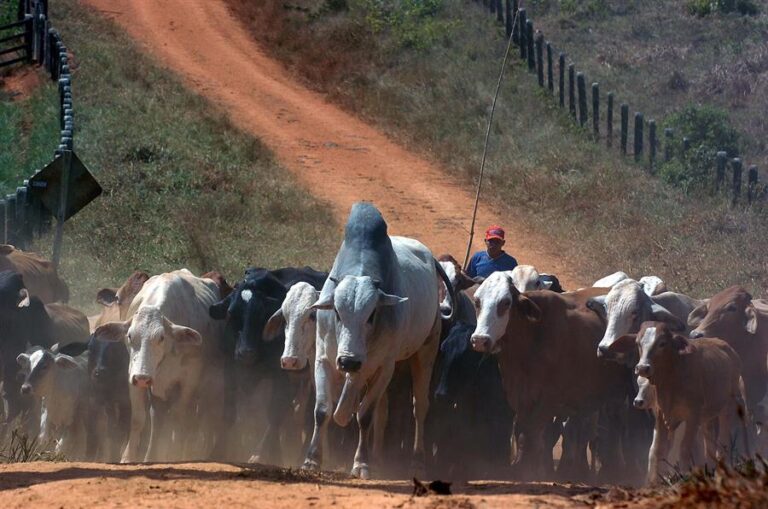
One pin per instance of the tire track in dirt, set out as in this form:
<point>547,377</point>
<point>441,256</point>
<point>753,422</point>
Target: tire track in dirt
<point>336,156</point>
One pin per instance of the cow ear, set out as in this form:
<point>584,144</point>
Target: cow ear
<point>113,331</point>
<point>386,299</point>
<point>274,326</point>
<point>751,315</point>
<point>106,296</point>
<point>661,314</point>
<point>545,284</point>
<point>218,311</point>
<point>24,299</point>
<point>530,310</point>
<point>66,362</point>
<point>697,315</point>
<point>324,302</point>
<point>6,249</point>
<point>186,336</point>
<point>684,346</point>
<point>464,282</point>
<point>624,344</point>
<point>597,304</point>
<point>23,360</point>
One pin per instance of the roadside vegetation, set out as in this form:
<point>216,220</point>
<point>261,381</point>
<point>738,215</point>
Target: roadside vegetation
<point>182,186</point>
<point>602,213</point>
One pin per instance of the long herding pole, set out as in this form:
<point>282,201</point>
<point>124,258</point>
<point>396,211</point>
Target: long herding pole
<point>487,136</point>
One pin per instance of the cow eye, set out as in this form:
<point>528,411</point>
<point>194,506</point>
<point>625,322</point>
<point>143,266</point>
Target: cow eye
<point>370,318</point>
<point>313,315</point>
<point>477,303</point>
<point>730,307</point>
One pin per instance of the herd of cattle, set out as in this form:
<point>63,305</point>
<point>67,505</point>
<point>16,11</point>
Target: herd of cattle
<point>614,382</point>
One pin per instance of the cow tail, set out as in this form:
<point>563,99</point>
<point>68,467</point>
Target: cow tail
<point>451,292</point>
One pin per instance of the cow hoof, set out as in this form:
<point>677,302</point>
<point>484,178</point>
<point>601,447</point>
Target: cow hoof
<point>361,471</point>
<point>312,465</point>
<point>254,458</point>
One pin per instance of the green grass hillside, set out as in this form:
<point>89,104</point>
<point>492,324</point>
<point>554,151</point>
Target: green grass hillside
<point>182,186</point>
<point>425,72</point>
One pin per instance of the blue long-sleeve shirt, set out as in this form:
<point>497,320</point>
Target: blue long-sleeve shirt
<point>483,265</point>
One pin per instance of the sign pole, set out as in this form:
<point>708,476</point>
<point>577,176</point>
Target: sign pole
<point>62,212</point>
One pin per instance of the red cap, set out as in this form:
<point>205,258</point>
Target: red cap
<point>494,232</point>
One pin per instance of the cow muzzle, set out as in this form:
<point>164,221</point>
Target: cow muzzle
<point>481,342</point>
<point>644,370</point>
<point>348,364</point>
<point>26,389</point>
<point>246,356</point>
<point>143,381</point>
<point>97,373</point>
<point>291,363</point>
<point>603,352</point>
<point>639,403</point>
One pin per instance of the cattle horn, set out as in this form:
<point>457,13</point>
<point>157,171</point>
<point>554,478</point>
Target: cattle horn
<point>24,298</point>
<point>451,293</point>
<point>751,325</point>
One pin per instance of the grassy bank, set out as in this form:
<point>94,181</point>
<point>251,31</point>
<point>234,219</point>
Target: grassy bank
<point>182,186</point>
<point>429,83</point>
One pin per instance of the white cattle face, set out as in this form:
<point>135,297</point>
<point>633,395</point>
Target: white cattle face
<point>494,301</point>
<point>527,279</point>
<point>646,394</point>
<point>659,348</point>
<point>610,280</point>
<point>298,319</point>
<point>39,367</point>
<point>150,337</point>
<point>356,301</point>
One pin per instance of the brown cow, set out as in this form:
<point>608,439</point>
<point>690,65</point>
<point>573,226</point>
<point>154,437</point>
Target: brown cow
<point>546,343</point>
<point>68,324</point>
<point>697,383</point>
<point>116,301</point>
<point>39,275</point>
<point>218,278</point>
<point>732,316</point>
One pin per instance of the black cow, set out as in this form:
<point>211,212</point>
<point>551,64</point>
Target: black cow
<point>110,406</point>
<point>469,421</point>
<point>24,320</point>
<point>247,309</point>
<point>555,283</point>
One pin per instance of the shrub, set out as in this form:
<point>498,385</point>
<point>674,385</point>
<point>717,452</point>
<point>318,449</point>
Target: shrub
<point>413,23</point>
<point>709,131</point>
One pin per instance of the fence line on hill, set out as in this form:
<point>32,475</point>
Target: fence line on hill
<point>21,216</point>
<point>538,54</point>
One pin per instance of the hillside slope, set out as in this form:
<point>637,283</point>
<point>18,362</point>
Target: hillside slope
<point>426,75</point>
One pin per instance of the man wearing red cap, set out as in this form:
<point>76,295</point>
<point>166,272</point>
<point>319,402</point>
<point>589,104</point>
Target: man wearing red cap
<point>485,263</point>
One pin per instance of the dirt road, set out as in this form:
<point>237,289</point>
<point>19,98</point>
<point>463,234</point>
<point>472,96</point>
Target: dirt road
<point>207,485</point>
<point>335,156</point>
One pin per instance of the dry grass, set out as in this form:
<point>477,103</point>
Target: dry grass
<point>603,213</point>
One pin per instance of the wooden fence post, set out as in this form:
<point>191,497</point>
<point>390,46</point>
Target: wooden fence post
<point>529,41</point>
<point>508,18</point>
<point>624,127</point>
<point>720,161</point>
<point>751,184</point>
<point>10,214</point>
<point>651,145</point>
<point>572,90</point>
<point>515,26</point>
<point>668,137</point>
<point>521,28</point>
<point>638,136</point>
<point>561,82</point>
<point>29,37</point>
<point>3,235</point>
<point>736,163</point>
<point>499,13</point>
<point>596,110</point>
<point>492,6</point>
<point>550,74</point>
<point>609,121</point>
<point>582,86</point>
<point>540,58</point>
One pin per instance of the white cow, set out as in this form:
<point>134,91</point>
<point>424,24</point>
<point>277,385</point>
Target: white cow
<point>527,279</point>
<point>173,346</point>
<point>60,382</point>
<point>379,305</point>
<point>297,318</point>
<point>610,280</point>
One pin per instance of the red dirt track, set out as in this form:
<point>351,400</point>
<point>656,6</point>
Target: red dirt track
<point>337,157</point>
